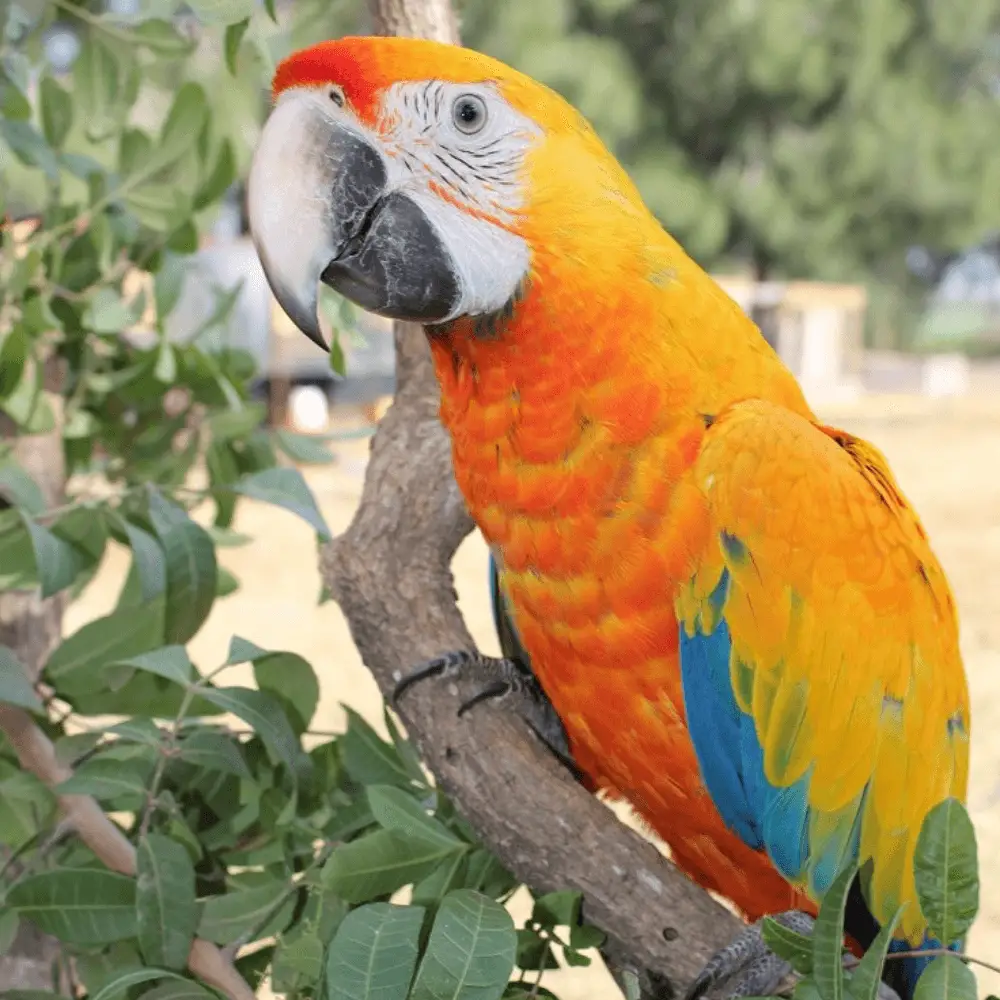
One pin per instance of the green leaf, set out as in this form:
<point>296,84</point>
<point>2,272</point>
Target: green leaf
<point>234,36</point>
<point>171,662</point>
<point>29,146</point>
<point>338,363</point>
<point>226,538</point>
<point>184,239</point>
<point>9,926</point>
<point>264,716</point>
<point>794,948</point>
<point>865,981</point>
<point>162,38</point>
<point>243,651</point>
<point>17,560</point>
<point>180,989</point>
<point>395,810</point>
<point>222,176</point>
<point>118,986</point>
<point>15,688</point>
<point>14,350</point>
<point>946,869</point>
<point>368,758</point>
<point>26,404</point>
<point>106,312</point>
<point>303,448</point>
<point>378,864</point>
<point>166,907</point>
<point>57,562</point>
<point>229,917</point>
<point>407,754</point>
<point>26,806</point>
<point>168,285</point>
<point>57,112</point>
<point>80,424</point>
<point>83,906</point>
<point>298,964</point>
<point>828,937</point>
<point>143,731</point>
<point>75,666</point>
<point>374,953</point>
<point>558,909</point>
<point>191,567</point>
<point>148,559</point>
<point>584,936</point>
<point>222,11</point>
<point>96,76</point>
<point>946,978</point>
<point>214,751</point>
<point>13,104</point>
<point>109,780</point>
<point>470,951</point>
<point>228,425</point>
<point>448,875</point>
<point>285,488</point>
<point>185,119</point>
<point>292,681</point>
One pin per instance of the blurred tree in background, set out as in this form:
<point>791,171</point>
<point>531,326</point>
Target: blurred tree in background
<point>811,139</point>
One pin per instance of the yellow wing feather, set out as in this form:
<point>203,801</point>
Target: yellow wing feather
<point>844,634</point>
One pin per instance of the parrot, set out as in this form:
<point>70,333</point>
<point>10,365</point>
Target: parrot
<point>728,611</point>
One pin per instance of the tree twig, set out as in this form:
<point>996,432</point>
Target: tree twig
<point>37,754</point>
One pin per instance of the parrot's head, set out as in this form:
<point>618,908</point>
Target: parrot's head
<point>422,181</point>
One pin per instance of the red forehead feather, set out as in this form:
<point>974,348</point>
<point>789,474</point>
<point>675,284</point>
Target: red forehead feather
<point>365,66</point>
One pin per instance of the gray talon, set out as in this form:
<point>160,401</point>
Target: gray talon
<point>502,680</point>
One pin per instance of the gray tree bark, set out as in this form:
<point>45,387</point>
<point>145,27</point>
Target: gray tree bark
<point>32,628</point>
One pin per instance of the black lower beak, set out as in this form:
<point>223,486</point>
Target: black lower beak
<point>396,265</point>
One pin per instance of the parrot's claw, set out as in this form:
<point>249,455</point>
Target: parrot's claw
<point>502,679</point>
<point>747,967</point>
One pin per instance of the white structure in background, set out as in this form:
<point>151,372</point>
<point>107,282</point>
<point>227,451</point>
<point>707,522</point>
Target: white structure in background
<point>819,331</point>
<point>308,409</point>
<point>945,375</point>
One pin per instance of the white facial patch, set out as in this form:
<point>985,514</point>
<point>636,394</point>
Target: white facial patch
<point>463,181</point>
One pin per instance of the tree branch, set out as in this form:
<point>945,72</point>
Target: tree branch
<point>390,573</point>
<point>37,754</point>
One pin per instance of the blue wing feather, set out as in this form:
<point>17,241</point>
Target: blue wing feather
<point>730,754</point>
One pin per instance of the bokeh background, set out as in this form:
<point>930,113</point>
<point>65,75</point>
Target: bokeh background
<point>836,163</point>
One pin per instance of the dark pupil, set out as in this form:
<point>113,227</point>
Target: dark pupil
<point>468,112</point>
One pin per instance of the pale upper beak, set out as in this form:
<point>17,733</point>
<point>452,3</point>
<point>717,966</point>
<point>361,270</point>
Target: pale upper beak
<point>322,208</point>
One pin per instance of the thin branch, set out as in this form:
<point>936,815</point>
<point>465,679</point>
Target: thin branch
<point>941,952</point>
<point>37,754</point>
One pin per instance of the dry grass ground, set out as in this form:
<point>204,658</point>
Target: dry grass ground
<point>945,455</point>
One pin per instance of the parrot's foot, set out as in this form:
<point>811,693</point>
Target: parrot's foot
<point>502,680</point>
<point>747,967</point>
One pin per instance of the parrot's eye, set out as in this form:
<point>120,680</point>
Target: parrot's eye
<point>336,95</point>
<point>469,114</point>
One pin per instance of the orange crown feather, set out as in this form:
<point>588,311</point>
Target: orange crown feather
<point>365,66</point>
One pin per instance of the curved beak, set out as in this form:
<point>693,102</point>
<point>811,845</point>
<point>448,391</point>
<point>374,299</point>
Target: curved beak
<point>322,208</point>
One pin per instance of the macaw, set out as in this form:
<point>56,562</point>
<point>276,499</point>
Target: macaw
<point>732,609</point>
